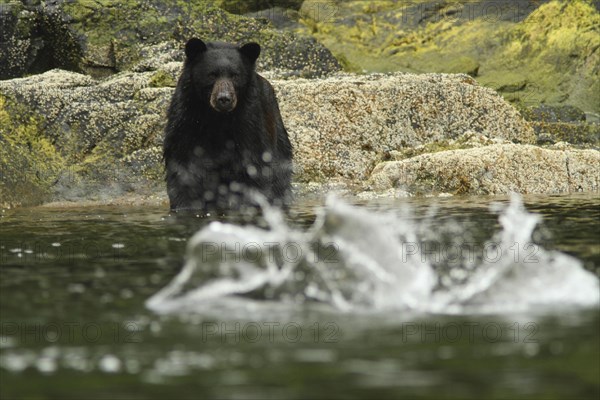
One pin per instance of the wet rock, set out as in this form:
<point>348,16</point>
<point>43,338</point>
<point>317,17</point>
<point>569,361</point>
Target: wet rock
<point>495,169</point>
<point>35,39</point>
<point>101,38</point>
<point>547,113</point>
<point>581,134</point>
<point>553,124</point>
<point>249,6</point>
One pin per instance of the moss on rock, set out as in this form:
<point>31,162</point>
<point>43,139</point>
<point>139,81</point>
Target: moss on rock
<point>115,34</point>
<point>162,79</point>
<point>29,162</point>
<point>544,52</point>
<point>101,37</point>
<point>555,52</point>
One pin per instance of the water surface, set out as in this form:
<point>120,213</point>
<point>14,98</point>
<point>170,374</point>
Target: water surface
<point>74,284</point>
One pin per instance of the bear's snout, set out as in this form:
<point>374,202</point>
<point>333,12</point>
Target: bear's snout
<point>223,98</point>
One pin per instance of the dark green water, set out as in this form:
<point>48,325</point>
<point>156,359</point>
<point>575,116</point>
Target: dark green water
<point>73,324</point>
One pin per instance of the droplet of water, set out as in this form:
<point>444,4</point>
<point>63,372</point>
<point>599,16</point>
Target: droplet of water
<point>109,364</point>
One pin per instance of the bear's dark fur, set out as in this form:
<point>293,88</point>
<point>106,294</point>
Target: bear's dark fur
<point>224,137</point>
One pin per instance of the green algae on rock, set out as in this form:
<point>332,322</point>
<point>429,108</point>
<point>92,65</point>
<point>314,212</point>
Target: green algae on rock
<point>555,52</point>
<point>532,52</point>
<point>94,125</point>
<point>162,79</point>
<point>29,162</point>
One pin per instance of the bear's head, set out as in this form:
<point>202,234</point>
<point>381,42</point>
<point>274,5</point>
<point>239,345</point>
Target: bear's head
<point>220,72</point>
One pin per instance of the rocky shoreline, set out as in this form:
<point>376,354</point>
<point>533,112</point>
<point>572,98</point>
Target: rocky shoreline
<point>415,134</point>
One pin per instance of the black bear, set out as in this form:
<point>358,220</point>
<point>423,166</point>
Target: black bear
<point>225,138</point>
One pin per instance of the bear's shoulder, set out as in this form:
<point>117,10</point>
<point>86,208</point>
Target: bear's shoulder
<point>265,87</point>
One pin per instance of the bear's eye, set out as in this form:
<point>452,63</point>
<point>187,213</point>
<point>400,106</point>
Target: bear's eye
<point>235,75</point>
<point>213,75</point>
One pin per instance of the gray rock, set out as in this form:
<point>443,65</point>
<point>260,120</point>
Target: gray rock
<point>494,169</point>
<point>34,38</point>
<point>342,126</point>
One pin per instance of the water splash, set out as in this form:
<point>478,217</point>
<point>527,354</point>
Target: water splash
<point>521,275</point>
<point>355,259</point>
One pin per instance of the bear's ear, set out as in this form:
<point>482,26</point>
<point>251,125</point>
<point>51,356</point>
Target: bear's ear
<point>251,51</point>
<point>194,47</point>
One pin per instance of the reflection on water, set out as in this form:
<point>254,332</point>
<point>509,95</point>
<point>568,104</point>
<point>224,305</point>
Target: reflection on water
<point>73,283</point>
